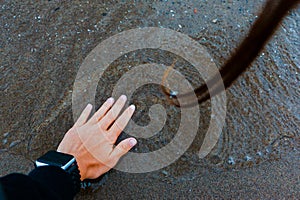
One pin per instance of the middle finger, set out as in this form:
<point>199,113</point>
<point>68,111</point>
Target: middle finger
<point>113,113</point>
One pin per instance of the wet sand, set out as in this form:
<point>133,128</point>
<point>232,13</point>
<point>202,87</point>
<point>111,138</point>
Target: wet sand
<point>43,45</point>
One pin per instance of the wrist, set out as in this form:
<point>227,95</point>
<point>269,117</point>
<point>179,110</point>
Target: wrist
<point>81,166</point>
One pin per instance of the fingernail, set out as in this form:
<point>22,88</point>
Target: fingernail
<point>110,100</point>
<point>132,107</point>
<point>132,142</point>
<point>123,97</point>
<point>89,106</point>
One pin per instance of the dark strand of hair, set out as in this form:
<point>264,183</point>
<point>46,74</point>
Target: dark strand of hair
<point>264,27</point>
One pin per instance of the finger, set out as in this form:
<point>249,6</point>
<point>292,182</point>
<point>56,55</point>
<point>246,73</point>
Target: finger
<point>113,113</point>
<point>122,148</point>
<point>102,110</point>
<point>119,125</point>
<point>84,115</point>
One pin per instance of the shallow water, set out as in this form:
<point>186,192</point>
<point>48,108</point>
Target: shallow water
<point>42,46</point>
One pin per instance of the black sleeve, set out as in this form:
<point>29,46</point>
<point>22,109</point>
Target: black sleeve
<point>47,182</point>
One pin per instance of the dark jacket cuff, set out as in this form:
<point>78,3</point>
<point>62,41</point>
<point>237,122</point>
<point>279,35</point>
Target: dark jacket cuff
<point>55,179</point>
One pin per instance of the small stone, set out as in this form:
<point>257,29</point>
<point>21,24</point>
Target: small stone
<point>173,93</point>
<point>6,134</point>
<point>14,143</point>
<point>231,161</point>
<point>214,21</point>
<point>4,141</point>
<point>165,172</point>
<point>248,158</point>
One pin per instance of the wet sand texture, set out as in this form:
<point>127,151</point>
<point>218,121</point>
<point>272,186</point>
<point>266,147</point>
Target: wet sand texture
<point>43,44</point>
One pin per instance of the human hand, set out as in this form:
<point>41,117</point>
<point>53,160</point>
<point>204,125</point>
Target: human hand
<point>91,141</point>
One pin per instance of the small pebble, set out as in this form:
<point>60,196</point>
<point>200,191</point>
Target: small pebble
<point>4,141</point>
<point>247,158</point>
<point>231,161</point>
<point>14,143</point>
<point>165,172</point>
<point>6,134</point>
<point>173,93</point>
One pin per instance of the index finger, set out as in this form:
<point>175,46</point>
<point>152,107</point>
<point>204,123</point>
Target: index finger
<point>84,115</point>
